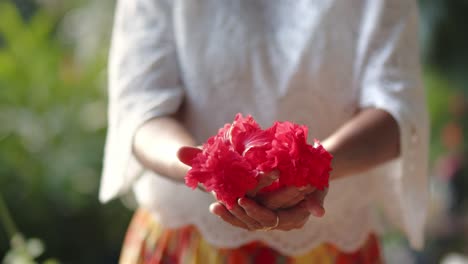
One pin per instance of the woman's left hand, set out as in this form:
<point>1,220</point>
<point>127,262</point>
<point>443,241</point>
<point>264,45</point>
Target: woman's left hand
<point>283,198</point>
<point>250,215</point>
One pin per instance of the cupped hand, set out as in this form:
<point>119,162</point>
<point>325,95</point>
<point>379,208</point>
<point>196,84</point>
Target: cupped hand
<point>284,197</point>
<point>285,209</point>
<point>250,215</point>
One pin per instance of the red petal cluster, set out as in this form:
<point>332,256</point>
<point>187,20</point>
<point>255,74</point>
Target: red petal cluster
<point>299,163</point>
<point>231,161</point>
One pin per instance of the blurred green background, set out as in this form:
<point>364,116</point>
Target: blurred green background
<point>53,120</point>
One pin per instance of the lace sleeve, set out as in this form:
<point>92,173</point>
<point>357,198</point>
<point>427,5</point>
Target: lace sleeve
<point>389,78</point>
<point>143,83</point>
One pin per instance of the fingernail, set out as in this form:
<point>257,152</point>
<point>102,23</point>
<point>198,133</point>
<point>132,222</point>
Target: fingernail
<point>240,202</point>
<point>212,208</point>
<point>318,211</point>
<point>303,188</point>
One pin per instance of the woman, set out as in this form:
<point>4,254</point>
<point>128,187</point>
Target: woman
<point>349,70</point>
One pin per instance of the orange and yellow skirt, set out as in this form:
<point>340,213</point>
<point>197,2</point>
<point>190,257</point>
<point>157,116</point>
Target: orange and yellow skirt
<point>147,242</point>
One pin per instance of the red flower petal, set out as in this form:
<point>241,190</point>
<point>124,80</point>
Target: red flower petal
<point>232,159</point>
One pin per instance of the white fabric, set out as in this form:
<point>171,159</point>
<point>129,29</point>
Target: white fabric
<point>314,62</point>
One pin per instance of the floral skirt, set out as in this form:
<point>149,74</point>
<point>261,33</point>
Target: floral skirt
<point>147,242</point>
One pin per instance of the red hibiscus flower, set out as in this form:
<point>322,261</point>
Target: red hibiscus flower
<point>299,163</point>
<point>231,161</point>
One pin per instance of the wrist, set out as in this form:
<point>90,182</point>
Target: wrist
<point>330,145</point>
<point>178,171</point>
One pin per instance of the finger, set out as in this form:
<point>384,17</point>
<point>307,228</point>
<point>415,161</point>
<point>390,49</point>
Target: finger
<point>187,154</point>
<point>296,200</point>
<point>202,188</point>
<point>294,217</point>
<point>221,211</point>
<point>314,202</point>
<point>279,198</point>
<point>306,189</point>
<point>241,214</point>
<point>264,216</point>
<point>265,180</point>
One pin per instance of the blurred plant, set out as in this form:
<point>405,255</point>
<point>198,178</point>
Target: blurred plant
<point>22,251</point>
<point>53,120</point>
<point>445,38</point>
<point>444,41</point>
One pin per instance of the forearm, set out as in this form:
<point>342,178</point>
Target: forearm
<point>156,144</point>
<point>370,138</point>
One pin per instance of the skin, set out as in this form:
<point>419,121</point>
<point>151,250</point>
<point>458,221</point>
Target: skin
<point>367,140</point>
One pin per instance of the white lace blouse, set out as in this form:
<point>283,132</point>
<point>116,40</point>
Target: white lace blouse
<point>314,62</point>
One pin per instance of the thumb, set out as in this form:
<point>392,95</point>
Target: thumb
<point>314,202</point>
<point>265,180</point>
<point>187,154</point>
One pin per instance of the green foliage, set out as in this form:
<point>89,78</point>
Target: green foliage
<point>53,119</point>
<point>26,251</point>
<point>438,100</point>
<point>446,39</point>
